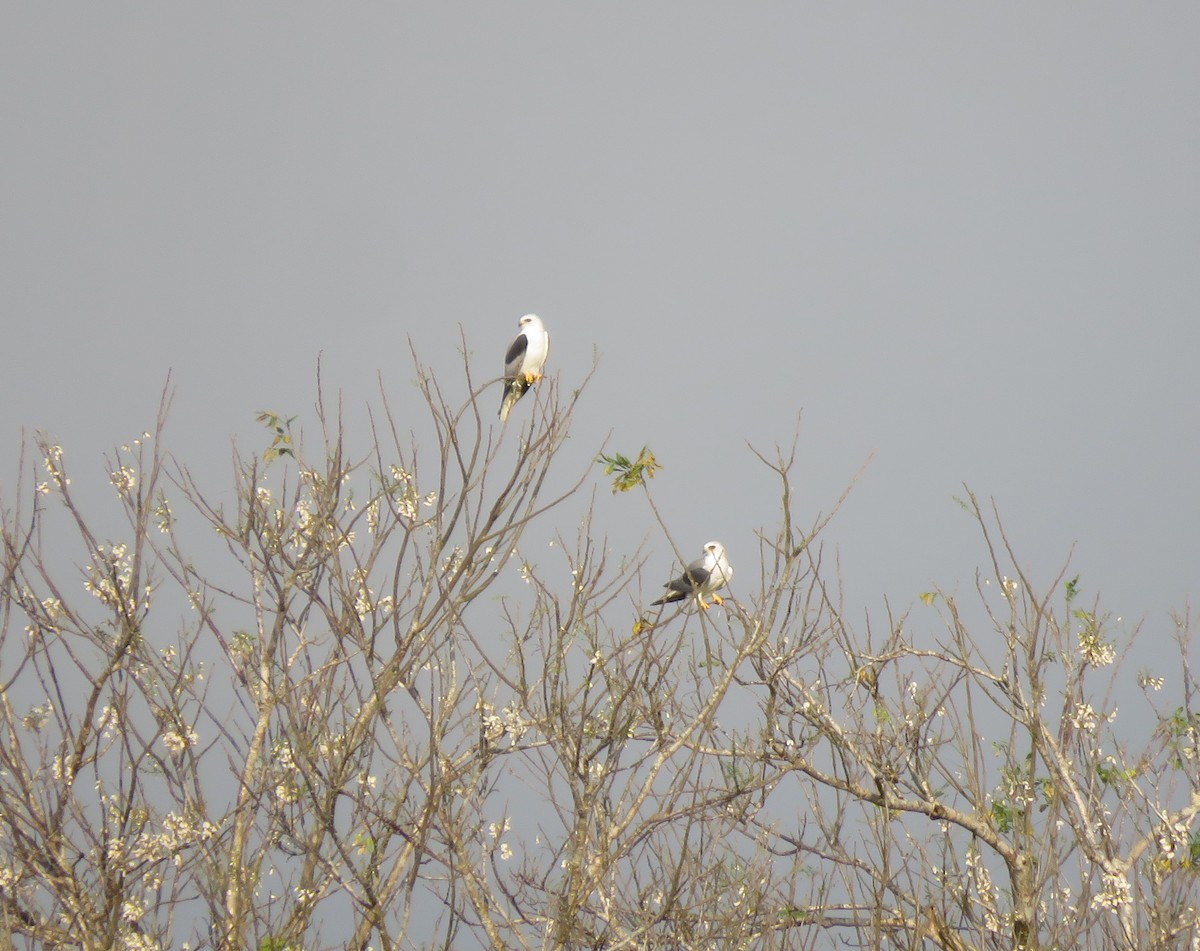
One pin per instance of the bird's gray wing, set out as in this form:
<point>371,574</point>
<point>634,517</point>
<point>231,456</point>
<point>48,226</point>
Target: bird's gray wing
<point>694,577</point>
<point>515,357</point>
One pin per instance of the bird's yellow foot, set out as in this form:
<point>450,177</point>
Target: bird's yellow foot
<point>717,599</point>
<point>532,377</point>
<point>703,606</point>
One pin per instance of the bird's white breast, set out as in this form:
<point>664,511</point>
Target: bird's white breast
<point>537,349</point>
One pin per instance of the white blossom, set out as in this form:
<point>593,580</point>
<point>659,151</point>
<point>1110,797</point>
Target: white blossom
<point>1114,895</point>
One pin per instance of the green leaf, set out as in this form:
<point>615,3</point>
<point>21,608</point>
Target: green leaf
<point>281,441</point>
<point>1072,588</point>
<point>1002,816</point>
<point>629,474</point>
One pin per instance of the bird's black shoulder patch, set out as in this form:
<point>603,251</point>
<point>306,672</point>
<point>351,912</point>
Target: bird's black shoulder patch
<point>516,352</point>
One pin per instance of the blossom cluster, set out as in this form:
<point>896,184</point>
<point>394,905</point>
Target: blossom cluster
<point>507,722</point>
<point>403,489</point>
<point>110,579</point>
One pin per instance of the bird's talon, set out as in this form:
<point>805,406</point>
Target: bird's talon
<point>717,599</point>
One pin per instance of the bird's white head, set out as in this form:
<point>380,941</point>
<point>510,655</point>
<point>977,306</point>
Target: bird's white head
<point>714,557</point>
<point>529,320</point>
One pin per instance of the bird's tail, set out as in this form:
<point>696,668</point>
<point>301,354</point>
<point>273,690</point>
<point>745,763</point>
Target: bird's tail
<point>509,400</point>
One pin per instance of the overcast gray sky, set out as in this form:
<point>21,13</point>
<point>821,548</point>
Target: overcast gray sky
<point>964,238</point>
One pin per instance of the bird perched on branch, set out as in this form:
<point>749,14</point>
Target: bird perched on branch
<point>524,361</point>
<point>703,576</point>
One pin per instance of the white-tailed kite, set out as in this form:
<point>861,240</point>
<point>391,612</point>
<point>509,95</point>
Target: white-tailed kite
<point>703,576</point>
<point>524,361</point>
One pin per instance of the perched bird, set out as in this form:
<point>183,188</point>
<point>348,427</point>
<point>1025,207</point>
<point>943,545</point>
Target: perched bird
<point>703,576</point>
<point>524,361</point>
